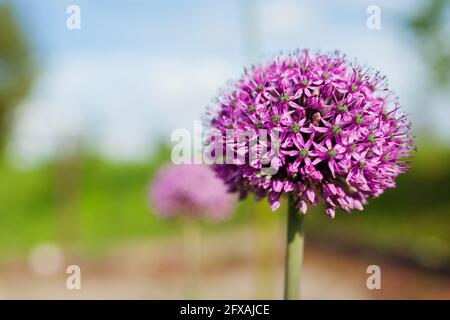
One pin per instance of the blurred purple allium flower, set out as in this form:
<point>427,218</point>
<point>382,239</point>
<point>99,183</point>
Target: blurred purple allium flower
<point>191,190</point>
<point>334,132</point>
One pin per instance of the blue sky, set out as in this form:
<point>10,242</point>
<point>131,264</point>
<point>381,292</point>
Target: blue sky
<point>138,69</point>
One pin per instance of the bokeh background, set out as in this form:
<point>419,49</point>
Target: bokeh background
<point>85,122</point>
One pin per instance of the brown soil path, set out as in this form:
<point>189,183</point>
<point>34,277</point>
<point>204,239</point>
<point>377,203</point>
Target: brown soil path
<point>230,269</point>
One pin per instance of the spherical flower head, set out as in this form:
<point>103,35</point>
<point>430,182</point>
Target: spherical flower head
<point>331,130</point>
<point>192,191</point>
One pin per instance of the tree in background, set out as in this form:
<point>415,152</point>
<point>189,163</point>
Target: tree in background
<point>15,69</point>
<point>429,25</point>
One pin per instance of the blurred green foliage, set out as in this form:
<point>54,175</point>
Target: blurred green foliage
<point>110,205</point>
<point>411,221</point>
<point>89,202</point>
<point>430,26</point>
<point>16,70</point>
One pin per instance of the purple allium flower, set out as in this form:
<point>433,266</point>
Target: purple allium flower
<point>190,190</point>
<point>334,131</point>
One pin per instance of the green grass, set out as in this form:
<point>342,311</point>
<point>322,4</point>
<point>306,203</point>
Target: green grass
<point>93,204</point>
<point>93,207</point>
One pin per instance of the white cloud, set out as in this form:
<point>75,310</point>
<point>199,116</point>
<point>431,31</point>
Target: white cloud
<point>121,104</point>
<point>279,16</point>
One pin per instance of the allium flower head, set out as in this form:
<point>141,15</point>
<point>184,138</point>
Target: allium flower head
<point>333,132</point>
<point>190,190</point>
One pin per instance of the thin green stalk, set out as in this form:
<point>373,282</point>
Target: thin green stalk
<point>294,252</point>
<point>192,257</point>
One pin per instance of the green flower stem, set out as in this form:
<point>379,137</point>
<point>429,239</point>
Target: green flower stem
<point>294,251</point>
<point>192,243</point>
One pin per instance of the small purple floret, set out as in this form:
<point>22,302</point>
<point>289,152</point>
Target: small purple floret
<point>192,191</point>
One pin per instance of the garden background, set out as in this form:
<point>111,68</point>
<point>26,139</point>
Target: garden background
<point>86,117</point>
